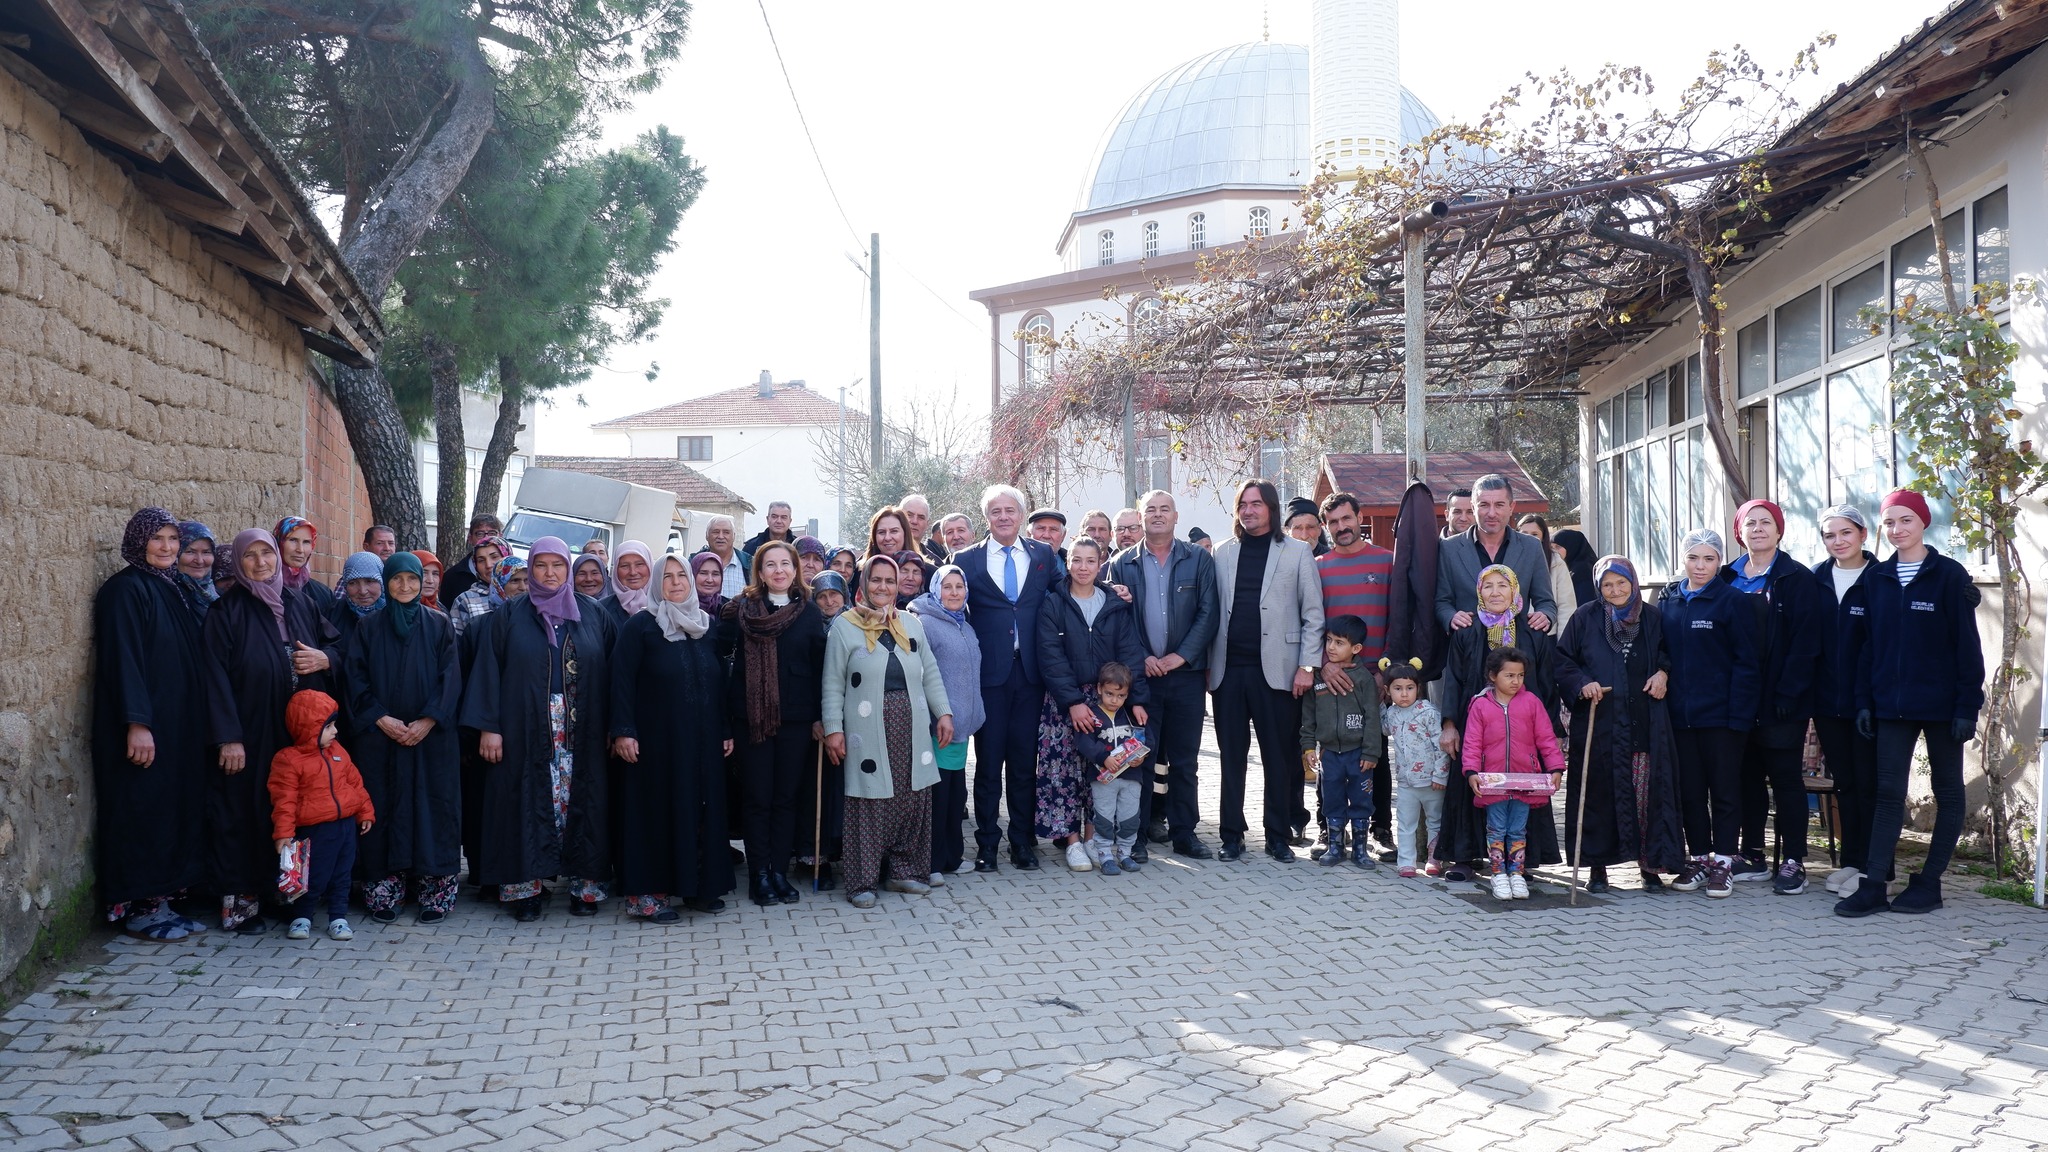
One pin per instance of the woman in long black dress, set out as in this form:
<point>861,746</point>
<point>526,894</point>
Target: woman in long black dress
<point>1502,622</point>
<point>296,538</point>
<point>669,729</point>
<point>539,695</point>
<point>1613,650</point>
<point>403,689</point>
<point>263,642</point>
<point>149,745</point>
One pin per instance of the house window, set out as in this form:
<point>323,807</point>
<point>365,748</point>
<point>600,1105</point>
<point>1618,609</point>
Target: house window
<point>1198,232</point>
<point>1994,243</point>
<point>1036,351</point>
<point>1752,358</point>
<point>1261,223</point>
<point>1145,313</point>
<point>1155,463</point>
<point>1151,238</point>
<point>1273,466</point>
<point>1797,347</point>
<point>1105,247</point>
<point>694,449</point>
<point>1863,290</point>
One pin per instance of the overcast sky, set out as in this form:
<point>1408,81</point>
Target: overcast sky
<point>962,131</point>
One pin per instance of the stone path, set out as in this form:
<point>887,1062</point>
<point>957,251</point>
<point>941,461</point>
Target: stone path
<point>1196,1005</point>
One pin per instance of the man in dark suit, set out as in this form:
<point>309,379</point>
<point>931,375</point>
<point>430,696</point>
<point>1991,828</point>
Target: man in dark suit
<point>1007,578</point>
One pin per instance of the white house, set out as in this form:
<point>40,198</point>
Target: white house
<point>479,417</point>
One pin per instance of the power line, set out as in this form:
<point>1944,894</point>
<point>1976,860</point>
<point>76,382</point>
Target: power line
<point>808,138</point>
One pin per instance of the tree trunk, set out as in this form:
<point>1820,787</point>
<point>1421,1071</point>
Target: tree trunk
<point>386,237</point>
<point>504,435</point>
<point>450,495</point>
<point>1701,279</point>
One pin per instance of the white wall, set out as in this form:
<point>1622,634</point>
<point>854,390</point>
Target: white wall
<point>1227,220</point>
<point>763,463</point>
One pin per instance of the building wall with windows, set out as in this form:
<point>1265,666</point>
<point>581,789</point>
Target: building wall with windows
<point>479,418</point>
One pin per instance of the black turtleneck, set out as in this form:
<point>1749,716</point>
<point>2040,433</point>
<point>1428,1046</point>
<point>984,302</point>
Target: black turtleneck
<point>1241,645</point>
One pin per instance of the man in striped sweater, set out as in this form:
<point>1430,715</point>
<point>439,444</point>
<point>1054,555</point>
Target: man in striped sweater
<point>1357,579</point>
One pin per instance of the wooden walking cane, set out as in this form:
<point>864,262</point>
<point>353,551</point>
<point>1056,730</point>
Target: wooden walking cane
<point>818,825</point>
<point>1585,785</point>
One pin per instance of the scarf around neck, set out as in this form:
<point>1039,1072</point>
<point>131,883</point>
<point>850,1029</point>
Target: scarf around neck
<point>402,615</point>
<point>270,593</point>
<point>633,599</point>
<point>761,625</point>
<point>556,606</point>
<point>680,619</point>
<point>1620,624</point>
<point>1500,628</point>
<point>363,566</point>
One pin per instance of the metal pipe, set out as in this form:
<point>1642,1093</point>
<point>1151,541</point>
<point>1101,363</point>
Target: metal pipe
<point>1414,276</point>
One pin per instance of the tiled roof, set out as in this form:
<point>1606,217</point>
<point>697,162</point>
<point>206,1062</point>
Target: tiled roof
<point>689,485</point>
<point>744,406</point>
<point>1378,479</point>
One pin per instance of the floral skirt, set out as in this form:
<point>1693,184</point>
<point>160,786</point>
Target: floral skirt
<point>1063,778</point>
<point>561,780</point>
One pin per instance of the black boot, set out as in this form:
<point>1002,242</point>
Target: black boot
<point>779,884</point>
<point>1868,898</point>
<point>1922,894</point>
<point>1598,882</point>
<point>760,891</point>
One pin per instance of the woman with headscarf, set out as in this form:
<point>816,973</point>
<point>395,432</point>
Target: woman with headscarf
<point>263,642</point>
<point>296,538</point>
<point>195,567</point>
<point>362,592</point>
<point>829,593</point>
<point>1612,651</point>
<point>669,729</point>
<point>1579,559</point>
<point>911,572</point>
<point>430,579</point>
<point>486,595</point>
<point>884,705</point>
<point>846,562</point>
<point>810,558</point>
<point>403,689</point>
<point>1563,585</point>
<point>539,695</point>
<point>149,737</point>
<point>956,648</point>
<point>590,577</point>
<point>707,576</point>
<point>471,616</point>
<point>1502,622</point>
<point>632,580</point>
<point>776,639</point>
<point>1710,632</point>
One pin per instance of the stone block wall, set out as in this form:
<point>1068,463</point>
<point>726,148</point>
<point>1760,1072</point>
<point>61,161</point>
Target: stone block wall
<point>134,369</point>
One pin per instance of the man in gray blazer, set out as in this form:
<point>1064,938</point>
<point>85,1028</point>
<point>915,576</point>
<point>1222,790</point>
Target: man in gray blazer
<point>1491,541</point>
<point>1265,655</point>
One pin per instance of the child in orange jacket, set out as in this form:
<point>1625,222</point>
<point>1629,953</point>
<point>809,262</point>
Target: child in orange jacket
<point>317,794</point>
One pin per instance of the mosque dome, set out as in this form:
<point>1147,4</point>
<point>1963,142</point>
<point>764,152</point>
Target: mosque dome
<point>1237,117</point>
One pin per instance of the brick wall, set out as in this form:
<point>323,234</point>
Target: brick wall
<point>336,500</point>
<point>134,369</point>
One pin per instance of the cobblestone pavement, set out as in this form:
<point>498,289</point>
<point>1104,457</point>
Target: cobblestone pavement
<point>1195,1005</point>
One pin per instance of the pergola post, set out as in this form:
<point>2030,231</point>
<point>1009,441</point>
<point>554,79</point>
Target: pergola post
<point>1414,277</point>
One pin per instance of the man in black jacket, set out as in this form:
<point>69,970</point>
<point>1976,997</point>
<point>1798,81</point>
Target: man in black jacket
<point>1172,584</point>
<point>779,517</point>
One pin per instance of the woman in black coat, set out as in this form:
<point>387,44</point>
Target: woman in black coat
<point>776,638</point>
<point>1613,651</point>
<point>539,695</point>
<point>403,691</point>
<point>263,642</point>
<point>1077,635</point>
<point>149,744</point>
<point>1502,622</point>
<point>669,732</point>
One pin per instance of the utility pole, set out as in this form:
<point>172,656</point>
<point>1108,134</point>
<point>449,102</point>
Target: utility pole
<point>1130,442</point>
<point>874,355</point>
<point>839,532</point>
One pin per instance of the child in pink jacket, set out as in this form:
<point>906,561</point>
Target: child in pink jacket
<point>1507,731</point>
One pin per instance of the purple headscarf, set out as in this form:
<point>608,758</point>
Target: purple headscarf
<point>146,523</point>
<point>634,599</point>
<point>557,607</point>
<point>713,603</point>
<point>271,591</point>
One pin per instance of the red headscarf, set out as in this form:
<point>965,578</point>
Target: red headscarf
<point>425,558</point>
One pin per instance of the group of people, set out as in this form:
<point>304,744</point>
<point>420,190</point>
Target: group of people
<point>607,722</point>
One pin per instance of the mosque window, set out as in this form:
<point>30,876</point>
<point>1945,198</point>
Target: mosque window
<point>1105,247</point>
<point>1198,232</point>
<point>1151,238</point>
<point>1145,313</point>
<point>1037,350</point>
<point>1261,223</point>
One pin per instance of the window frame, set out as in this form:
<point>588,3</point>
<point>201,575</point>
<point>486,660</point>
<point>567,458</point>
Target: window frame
<point>1151,238</point>
<point>1198,231</point>
<point>1105,247</point>
<point>687,446</point>
<point>1035,363</point>
<point>1259,222</point>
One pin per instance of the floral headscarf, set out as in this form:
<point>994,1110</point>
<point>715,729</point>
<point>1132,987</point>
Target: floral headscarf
<point>1500,629</point>
<point>501,577</point>
<point>294,578</point>
<point>1621,624</point>
<point>146,523</point>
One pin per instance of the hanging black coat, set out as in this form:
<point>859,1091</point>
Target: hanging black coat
<point>1463,832</point>
<point>507,693</point>
<point>416,791</point>
<point>1412,631</point>
<point>1628,819</point>
<point>150,839</point>
<point>670,696</point>
<point>248,682</point>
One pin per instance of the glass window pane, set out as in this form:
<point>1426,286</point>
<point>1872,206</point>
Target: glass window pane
<point>1752,362</point>
<point>1603,520</point>
<point>1797,346</point>
<point>1863,290</point>
<point>1633,427</point>
<point>1994,243</point>
<point>1698,455</point>
<point>1859,436</point>
<point>1660,400</point>
<point>1658,558</point>
<point>1801,457</point>
<point>1605,415</point>
<point>1635,484</point>
<point>1915,271</point>
<point>1695,391</point>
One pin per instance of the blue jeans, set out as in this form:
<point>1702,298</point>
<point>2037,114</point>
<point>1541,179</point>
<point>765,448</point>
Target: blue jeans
<point>1507,834</point>
<point>1345,790</point>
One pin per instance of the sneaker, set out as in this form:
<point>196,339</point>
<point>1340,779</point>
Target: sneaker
<point>1745,868</point>
<point>1519,885</point>
<point>1691,876</point>
<point>1502,889</point>
<point>1720,883</point>
<point>913,887</point>
<point>338,929</point>
<point>1077,858</point>
<point>938,880</point>
<point>1791,879</point>
<point>301,929</point>
<point>1109,867</point>
<point>1842,881</point>
<point>1333,857</point>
